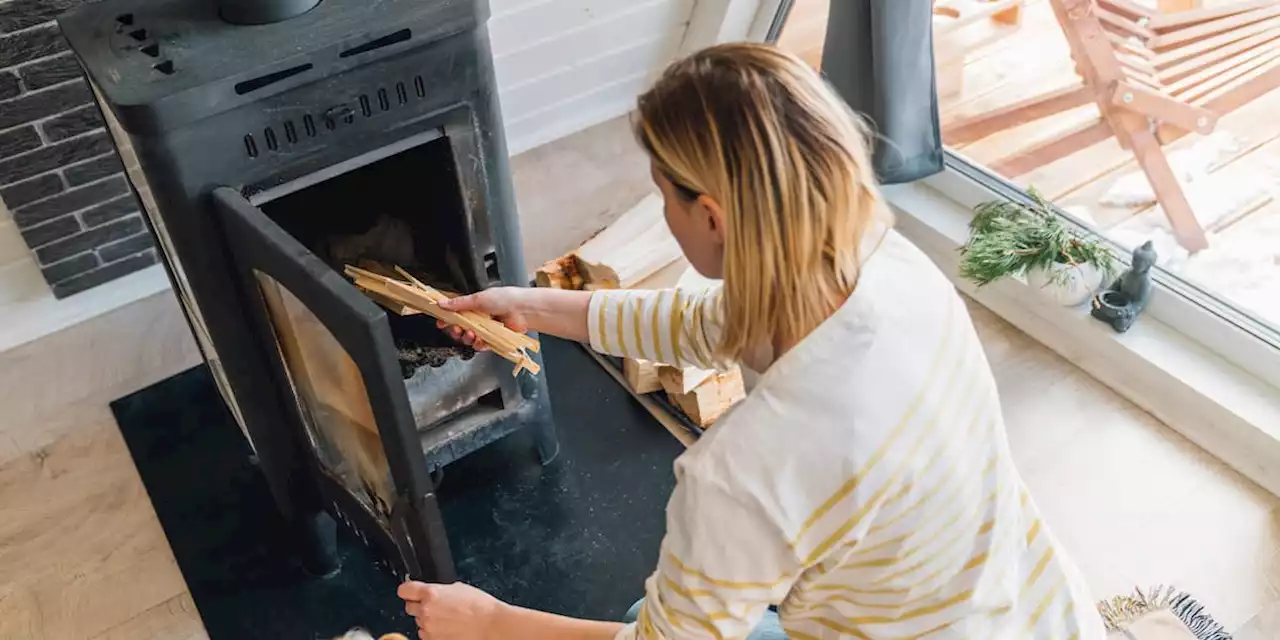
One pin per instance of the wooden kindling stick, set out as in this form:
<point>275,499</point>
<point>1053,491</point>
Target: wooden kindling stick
<point>512,345</point>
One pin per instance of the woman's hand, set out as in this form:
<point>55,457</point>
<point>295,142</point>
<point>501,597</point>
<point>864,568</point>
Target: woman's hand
<point>461,612</point>
<point>451,611</point>
<point>503,303</point>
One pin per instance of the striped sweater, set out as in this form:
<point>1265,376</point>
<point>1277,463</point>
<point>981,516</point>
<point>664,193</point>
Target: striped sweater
<point>865,485</point>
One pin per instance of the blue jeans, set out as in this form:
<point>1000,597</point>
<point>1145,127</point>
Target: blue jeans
<point>769,629</point>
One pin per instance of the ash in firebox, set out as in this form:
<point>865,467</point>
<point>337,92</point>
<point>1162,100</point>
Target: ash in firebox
<point>414,356</point>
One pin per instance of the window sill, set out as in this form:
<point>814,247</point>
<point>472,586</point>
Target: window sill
<point>1229,412</point>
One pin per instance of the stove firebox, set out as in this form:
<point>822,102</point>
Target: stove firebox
<point>273,142</point>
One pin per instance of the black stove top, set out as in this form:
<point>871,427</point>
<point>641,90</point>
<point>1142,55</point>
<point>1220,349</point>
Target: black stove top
<point>178,58</point>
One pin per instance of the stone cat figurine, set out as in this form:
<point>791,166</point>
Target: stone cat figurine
<point>1129,295</point>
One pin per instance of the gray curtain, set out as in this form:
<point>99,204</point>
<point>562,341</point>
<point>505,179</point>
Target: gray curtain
<point>879,56</point>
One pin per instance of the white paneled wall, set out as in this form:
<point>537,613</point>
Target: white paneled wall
<point>564,65</point>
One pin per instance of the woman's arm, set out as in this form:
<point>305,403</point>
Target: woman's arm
<point>552,311</point>
<point>673,326</point>
<point>461,612</point>
<point>518,622</point>
<point>723,562</point>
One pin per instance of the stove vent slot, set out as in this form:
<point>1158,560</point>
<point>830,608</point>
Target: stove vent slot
<point>384,97</point>
<point>377,43</point>
<point>270,136</point>
<point>152,50</point>
<point>253,84</point>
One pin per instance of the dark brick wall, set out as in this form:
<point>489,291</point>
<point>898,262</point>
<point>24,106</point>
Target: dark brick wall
<point>59,176</point>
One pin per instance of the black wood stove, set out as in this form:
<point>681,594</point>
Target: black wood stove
<point>270,143</point>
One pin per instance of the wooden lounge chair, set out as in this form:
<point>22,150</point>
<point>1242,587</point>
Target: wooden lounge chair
<point>1154,77</point>
<point>949,17</point>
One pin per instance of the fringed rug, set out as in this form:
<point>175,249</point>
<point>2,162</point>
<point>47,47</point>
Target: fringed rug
<point>1160,613</point>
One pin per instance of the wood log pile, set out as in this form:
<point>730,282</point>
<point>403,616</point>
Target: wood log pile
<point>410,295</point>
<point>639,252</point>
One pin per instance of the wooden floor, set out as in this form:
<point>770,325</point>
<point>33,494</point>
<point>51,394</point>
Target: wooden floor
<point>81,552</point>
<point>82,555</point>
<point>985,65</point>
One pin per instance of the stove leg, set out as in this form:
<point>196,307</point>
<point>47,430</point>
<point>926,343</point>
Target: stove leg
<point>534,389</point>
<point>317,540</point>
<point>309,528</point>
<point>547,443</point>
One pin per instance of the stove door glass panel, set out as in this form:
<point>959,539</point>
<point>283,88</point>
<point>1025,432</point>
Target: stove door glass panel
<point>331,398</point>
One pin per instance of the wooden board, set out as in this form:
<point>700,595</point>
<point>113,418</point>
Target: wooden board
<point>683,430</point>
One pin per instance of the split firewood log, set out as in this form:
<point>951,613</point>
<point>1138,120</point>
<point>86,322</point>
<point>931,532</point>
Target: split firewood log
<point>641,375</point>
<point>709,400</point>
<point>682,379</point>
<point>619,257</point>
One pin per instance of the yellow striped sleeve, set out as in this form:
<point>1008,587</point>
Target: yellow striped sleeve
<point>670,326</point>
<point>716,579</point>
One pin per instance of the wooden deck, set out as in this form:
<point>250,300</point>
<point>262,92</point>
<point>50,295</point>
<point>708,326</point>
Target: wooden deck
<point>986,65</point>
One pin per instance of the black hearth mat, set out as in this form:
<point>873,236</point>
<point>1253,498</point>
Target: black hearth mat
<point>577,537</point>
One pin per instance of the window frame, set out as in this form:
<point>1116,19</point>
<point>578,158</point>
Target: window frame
<point>1229,331</point>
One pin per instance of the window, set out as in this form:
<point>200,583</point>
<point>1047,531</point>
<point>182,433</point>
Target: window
<point>1142,121</point>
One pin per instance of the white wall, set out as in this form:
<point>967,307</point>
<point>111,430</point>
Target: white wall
<point>11,247</point>
<point>20,278</point>
<point>565,65</point>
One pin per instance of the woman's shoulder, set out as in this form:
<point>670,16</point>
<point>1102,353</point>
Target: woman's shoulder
<point>898,266</point>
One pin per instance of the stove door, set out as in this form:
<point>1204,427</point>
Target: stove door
<point>336,366</point>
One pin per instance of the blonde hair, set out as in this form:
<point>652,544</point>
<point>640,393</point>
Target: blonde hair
<point>759,132</point>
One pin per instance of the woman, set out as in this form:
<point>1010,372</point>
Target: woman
<point>865,485</point>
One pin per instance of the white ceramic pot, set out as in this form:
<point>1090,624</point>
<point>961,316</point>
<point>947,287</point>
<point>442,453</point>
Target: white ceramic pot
<point>1073,290</point>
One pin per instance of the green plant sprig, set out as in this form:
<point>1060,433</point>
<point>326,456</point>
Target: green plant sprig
<point>1010,238</point>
